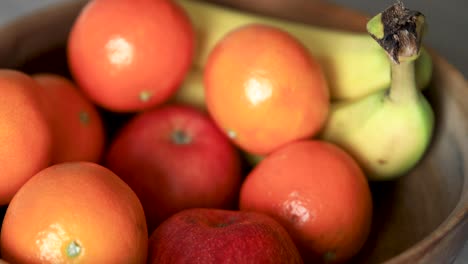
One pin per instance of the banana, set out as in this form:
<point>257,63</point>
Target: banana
<point>191,91</point>
<point>387,131</point>
<point>353,63</point>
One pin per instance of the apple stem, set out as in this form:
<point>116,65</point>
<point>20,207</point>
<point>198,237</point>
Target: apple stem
<point>180,137</point>
<point>84,117</point>
<point>329,257</point>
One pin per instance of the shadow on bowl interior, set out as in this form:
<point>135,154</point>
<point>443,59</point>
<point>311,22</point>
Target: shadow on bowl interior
<point>420,218</point>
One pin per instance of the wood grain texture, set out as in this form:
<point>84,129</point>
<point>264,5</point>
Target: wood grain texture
<point>420,218</point>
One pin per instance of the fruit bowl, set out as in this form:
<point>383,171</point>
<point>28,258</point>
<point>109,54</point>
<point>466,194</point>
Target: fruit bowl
<point>420,218</point>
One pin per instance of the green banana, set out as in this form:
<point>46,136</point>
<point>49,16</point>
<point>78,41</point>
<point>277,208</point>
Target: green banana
<point>353,63</point>
<point>388,131</point>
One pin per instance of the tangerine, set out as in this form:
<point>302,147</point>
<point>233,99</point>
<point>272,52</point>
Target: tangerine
<point>128,56</point>
<point>264,88</point>
<point>319,193</point>
<point>25,137</point>
<point>74,212</point>
<point>76,125</point>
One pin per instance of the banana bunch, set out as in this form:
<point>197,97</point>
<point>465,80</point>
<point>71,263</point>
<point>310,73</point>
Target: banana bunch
<point>385,122</point>
<point>388,131</point>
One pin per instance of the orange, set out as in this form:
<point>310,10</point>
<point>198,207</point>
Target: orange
<point>264,89</point>
<point>319,193</point>
<point>76,125</point>
<point>25,137</point>
<point>130,55</point>
<point>75,212</point>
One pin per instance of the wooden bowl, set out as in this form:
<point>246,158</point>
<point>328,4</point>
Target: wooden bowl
<point>420,218</point>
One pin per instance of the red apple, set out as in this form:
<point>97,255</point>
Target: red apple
<point>174,157</point>
<point>206,235</point>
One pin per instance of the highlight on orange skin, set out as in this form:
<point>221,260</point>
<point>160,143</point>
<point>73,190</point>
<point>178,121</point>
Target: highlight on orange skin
<point>265,89</point>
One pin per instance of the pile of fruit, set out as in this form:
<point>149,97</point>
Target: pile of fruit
<point>240,138</point>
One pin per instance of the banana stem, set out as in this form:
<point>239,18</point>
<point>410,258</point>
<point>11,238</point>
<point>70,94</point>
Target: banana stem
<point>403,82</point>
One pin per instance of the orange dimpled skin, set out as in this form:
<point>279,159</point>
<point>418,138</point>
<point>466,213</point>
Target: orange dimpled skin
<point>318,192</point>
<point>76,212</point>
<point>264,89</point>
<point>76,125</point>
<point>130,55</point>
<point>25,138</point>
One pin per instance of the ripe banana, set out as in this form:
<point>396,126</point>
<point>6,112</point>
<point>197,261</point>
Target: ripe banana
<point>353,63</point>
<point>388,131</point>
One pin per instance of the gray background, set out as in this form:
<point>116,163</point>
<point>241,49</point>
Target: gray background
<point>447,33</point>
